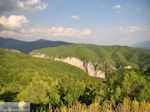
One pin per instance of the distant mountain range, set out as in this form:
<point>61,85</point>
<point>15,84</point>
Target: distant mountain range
<point>144,44</point>
<point>25,46</point>
<point>28,46</point>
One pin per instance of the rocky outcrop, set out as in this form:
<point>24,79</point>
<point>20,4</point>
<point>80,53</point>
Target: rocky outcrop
<point>93,69</point>
<point>39,55</point>
<point>13,50</point>
<point>84,65</point>
<point>72,61</point>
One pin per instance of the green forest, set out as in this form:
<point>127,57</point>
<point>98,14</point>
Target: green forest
<point>115,55</point>
<point>53,86</point>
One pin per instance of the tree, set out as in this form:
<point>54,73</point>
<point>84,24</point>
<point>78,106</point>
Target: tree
<point>40,90</point>
<point>70,90</point>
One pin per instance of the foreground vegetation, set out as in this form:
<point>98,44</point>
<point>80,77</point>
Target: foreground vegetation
<point>55,86</point>
<point>127,106</point>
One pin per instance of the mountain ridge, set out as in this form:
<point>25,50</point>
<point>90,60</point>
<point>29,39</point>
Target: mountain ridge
<point>144,44</point>
<point>95,60</point>
<point>28,46</point>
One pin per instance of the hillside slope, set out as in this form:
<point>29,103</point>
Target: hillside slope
<point>35,80</point>
<point>49,84</point>
<point>102,57</point>
<point>14,62</point>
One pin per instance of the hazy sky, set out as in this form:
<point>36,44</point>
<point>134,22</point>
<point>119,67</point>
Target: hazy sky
<point>104,22</point>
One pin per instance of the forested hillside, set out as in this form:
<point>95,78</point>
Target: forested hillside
<point>51,85</point>
<point>28,46</point>
<point>98,61</point>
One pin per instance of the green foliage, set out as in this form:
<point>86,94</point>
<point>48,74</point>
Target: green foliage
<point>70,90</point>
<point>115,55</point>
<point>40,80</point>
<point>94,92</point>
<point>127,84</point>
<point>53,85</point>
<point>40,90</point>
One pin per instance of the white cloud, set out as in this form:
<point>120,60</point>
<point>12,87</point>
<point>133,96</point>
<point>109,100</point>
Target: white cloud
<point>7,33</point>
<point>13,21</point>
<point>117,8</point>
<point>32,2</point>
<point>41,6</point>
<point>21,5</point>
<point>32,5</point>
<point>131,29</point>
<point>124,35</point>
<point>47,32</point>
<point>76,17</point>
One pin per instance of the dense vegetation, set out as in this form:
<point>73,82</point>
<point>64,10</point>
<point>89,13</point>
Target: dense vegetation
<point>56,86</point>
<point>115,55</point>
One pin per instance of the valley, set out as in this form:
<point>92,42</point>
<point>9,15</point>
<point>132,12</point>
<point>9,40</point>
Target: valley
<point>74,56</point>
<point>76,76</point>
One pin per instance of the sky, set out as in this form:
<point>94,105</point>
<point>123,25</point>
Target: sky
<point>103,22</point>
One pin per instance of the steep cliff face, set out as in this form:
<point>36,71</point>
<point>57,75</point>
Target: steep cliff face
<point>84,65</point>
<point>93,69</point>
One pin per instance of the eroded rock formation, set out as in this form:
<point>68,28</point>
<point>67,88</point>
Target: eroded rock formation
<point>93,69</point>
<point>84,65</point>
<point>39,55</point>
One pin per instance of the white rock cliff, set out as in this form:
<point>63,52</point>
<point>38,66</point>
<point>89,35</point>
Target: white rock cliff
<point>84,65</point>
